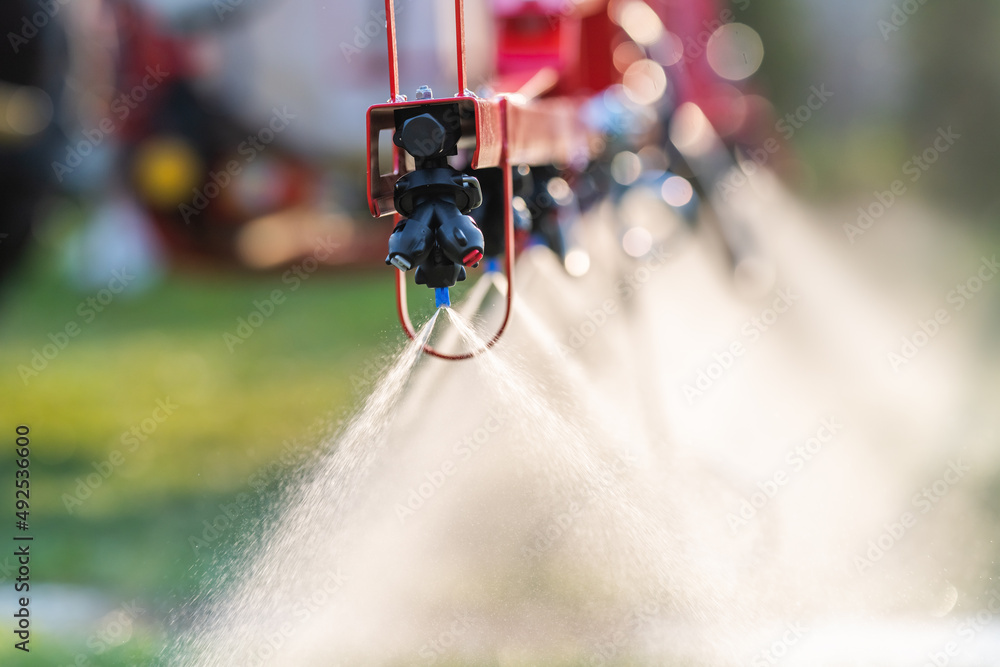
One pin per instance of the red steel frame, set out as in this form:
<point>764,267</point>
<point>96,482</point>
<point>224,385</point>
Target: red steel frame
<point>507,130</point>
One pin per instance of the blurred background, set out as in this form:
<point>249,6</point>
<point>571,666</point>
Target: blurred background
<point>192,291</point>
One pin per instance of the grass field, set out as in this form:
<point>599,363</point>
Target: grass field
<point>149,425</point>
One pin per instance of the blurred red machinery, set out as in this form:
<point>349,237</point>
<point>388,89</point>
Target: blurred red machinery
<point>552,56</point>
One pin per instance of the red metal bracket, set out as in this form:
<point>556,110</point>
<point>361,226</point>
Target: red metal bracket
<point>502,131</point>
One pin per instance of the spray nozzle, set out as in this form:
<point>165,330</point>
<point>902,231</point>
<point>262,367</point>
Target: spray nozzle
<point>437,234</point>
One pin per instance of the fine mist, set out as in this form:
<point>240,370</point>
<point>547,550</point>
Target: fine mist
<point>658,464</point>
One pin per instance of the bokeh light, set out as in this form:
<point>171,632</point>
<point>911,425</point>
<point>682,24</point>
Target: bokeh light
<point>690,130</point>
<point>625,168</point>
<point>677,191</point>
<point>637,241</point>
<point>577,262</point>
<point>640,22</point>
<point>735,51</point>
<point>645,81</point>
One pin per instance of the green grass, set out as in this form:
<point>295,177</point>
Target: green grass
<point>128,533</point>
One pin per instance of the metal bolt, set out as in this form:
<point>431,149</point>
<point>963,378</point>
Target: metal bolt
<point>424,93</point>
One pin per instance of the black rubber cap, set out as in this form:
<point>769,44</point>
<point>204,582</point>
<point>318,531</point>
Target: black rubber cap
<point>423,136</point>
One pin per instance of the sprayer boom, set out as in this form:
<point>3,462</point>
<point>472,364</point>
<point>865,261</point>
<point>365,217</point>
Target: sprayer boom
<point>431,199</point>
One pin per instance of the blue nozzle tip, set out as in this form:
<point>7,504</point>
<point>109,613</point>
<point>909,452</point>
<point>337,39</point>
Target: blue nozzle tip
<point>442,297</point>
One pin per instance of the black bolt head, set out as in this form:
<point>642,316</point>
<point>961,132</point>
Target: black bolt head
<point>422,136</point>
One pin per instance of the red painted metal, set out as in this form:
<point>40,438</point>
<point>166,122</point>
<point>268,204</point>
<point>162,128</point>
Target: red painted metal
<point>573,39</point>
<point>460,46</point>
<point>401,307</point>
<point>390,37</point>
<point>544,131</point>
<point>504,130</point>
